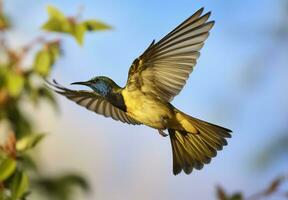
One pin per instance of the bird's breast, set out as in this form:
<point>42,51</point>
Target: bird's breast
<point>147,109</point>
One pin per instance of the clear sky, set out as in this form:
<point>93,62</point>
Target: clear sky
<point>239,82</point>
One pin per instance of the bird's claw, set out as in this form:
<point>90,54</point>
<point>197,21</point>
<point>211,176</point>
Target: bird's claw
<point>162,133</point>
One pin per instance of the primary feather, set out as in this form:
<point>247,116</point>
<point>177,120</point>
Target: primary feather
<point>162,70</point>
<point>93,102</point>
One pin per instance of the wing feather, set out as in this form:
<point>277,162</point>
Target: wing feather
<point>93,102</point>
<point>163,69</point>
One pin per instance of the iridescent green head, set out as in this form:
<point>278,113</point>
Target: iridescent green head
<point>100,84</point>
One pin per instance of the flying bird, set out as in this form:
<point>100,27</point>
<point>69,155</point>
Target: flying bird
<point>154,79</point>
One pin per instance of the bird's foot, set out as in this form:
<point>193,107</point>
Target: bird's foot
<point>162,133</point>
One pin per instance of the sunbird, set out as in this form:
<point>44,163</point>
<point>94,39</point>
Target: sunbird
<point>154,79</point>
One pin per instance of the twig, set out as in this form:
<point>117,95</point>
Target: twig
<point>30,45</point>
<point>271,189</point>
<point>79,13</point>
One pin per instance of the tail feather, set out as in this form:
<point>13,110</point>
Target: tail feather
<point>192,150</point>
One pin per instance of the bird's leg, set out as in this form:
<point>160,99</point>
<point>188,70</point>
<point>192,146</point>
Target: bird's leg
<point>162,133</point>
<point>164,122</point>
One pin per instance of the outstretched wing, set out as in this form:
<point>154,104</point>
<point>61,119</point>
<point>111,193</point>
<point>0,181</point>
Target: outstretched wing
<point>93,102</point>
<point>164,67</point>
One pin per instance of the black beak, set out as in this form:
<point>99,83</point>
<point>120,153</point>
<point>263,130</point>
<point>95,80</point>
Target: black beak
<point>81,83</point>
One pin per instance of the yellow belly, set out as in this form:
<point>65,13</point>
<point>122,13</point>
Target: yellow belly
<point>147,109</point>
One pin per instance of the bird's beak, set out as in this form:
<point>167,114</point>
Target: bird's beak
<point>81,83</point>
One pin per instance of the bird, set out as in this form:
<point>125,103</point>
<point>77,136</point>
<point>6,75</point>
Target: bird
<point>154,79</point>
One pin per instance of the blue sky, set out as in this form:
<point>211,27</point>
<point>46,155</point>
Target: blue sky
<point>126,162</point>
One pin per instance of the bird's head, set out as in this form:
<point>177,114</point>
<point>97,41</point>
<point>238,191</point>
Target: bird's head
<point>100,84</point>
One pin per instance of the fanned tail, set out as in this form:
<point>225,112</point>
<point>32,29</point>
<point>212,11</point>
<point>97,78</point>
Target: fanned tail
<point>193,150</point>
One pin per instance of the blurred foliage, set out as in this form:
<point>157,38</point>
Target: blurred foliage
<point>258,70</point>
<point>273,190</point>
<point>21,84</point>
<point>274,151</point>
<point>28,142</point>
<point>222,195</point>
<point>62,187</point>
<point>46,57</point>
<point>58,22</point>
<point>4,22</point>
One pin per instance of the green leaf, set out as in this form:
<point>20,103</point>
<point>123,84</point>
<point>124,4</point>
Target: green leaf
<point>42,63</point>
<point>236,196</point>
<point>3,75</point>
<point>94,25</point>
<point>55,13</point>
<point>46,57</point>
<point>19,185</point>
<point>29,142</point>
<point>15,83</point>
<point>27,162</point>
<point>61,26</point>
<point>22,124</point>
<point>7,168</point>
<point>79,31</point>
<point>54,50</point>
<point>4,22</point>
<point>52,25</point>
<point>76,180</point>
<point>62,187</point>
<point>57,21</point>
